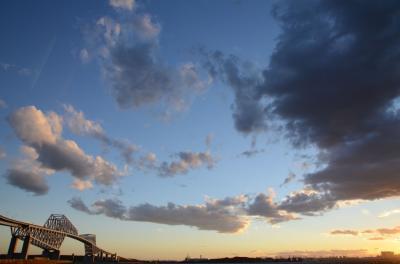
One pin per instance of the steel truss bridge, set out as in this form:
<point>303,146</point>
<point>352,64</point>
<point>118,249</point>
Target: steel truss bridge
<point>50,236</point>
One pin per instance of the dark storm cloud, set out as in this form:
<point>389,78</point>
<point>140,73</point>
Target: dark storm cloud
<point>29,181</point>
<point>333,74</point>
<point>332,80</point>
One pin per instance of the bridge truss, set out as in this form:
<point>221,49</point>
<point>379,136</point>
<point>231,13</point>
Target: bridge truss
<point>50,237</point>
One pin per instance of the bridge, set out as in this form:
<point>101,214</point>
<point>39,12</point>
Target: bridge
<point>50,236</point>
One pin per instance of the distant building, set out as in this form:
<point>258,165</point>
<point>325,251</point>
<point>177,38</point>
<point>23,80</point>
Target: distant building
<point>387,254</point>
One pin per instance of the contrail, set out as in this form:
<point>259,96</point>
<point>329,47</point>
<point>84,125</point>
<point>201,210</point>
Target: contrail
<point>44,61</point>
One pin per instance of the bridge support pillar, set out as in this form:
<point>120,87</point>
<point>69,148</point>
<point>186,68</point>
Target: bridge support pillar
<point>12,247</point>
<point>25,247</point>
<point>89,259</point>
<point>51,254</point>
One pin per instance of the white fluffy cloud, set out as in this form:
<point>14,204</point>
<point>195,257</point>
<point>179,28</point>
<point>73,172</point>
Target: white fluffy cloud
<point>81,185</point>
<point>41,133</point>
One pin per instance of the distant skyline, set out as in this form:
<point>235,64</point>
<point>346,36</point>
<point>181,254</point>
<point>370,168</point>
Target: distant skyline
<point>213,128</point>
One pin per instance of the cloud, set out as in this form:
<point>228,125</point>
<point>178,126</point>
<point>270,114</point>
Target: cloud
<point>211,216</point>
<point>139,79</point>
<point>227,215</point>
<point>325,253</point>
<point>128,48</point>
<point>3,153</point>
<point>22,71</point>
<point>372,234</point>
<point>344,232</point>
<point>84,55</point>
<point>80,125</point>
<point>27,174</point>
<point>111,208</point>
<point>251,152</point>
<point>264,206</point>
<point>145,27</point>
<point>307,202</point>
<point>28,181</point>
<point>79,205</point>
<point>81,185</point>
<point>185,162</point>
<point>376,238</point>
<point>197,216</point>
<point>123,4</point>
<point>248,113</point>
<point>3,104</point>
<point>331,92</point>
<point>288,179</point>
<point>336,100</point>
<point>209,139</point>
<point>41,133</point>
<point>389,213</point>
<point>388,231</point>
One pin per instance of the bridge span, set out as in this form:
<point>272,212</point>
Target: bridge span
<point>50,237</point>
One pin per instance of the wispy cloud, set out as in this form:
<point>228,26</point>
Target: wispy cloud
<point>288,179</point>
<point>370,234</point>
<point>344,232</point>
<point>12,68</point>
<point>3,103</point>
<point>80,125</point>
<point>3,153</point>
<point>389,213</point>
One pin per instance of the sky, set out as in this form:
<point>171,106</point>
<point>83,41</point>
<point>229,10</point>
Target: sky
<point>214,128</point>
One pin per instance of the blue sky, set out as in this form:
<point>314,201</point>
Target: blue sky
<point>224,126</point>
